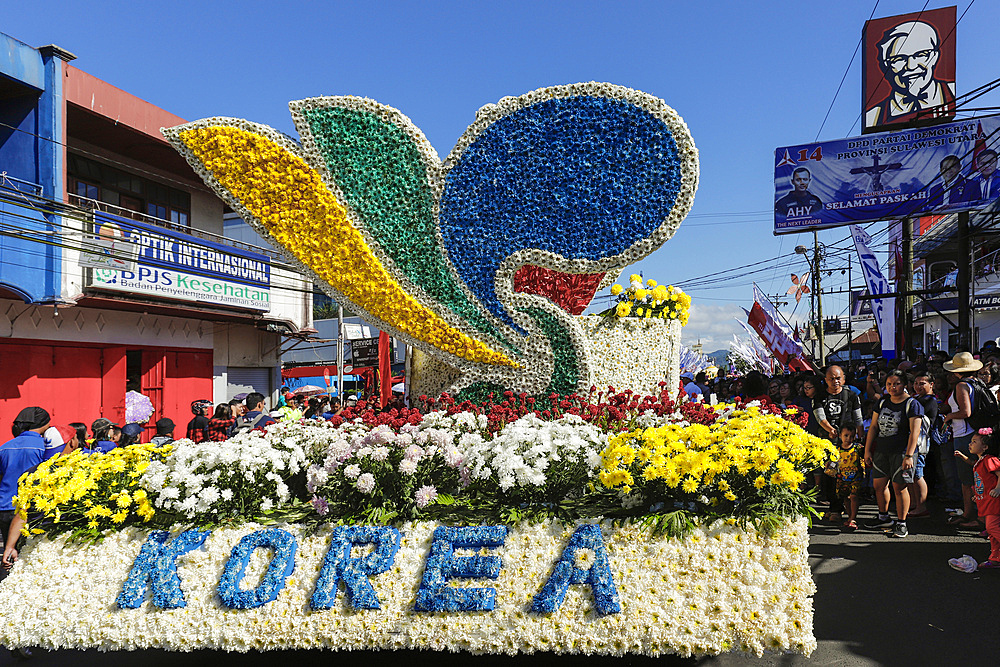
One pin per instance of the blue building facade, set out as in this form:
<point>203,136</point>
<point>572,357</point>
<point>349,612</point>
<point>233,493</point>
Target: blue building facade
<point>32,169</point>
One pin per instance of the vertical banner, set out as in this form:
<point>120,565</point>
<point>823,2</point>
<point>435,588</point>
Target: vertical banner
<point>883,309</point>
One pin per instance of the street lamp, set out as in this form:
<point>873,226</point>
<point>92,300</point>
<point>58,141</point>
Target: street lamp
<point>817,297</point>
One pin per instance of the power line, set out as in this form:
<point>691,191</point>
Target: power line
<point>854,55</point>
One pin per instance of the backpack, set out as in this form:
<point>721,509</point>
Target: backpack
<point>926,429</point>
<point>243,424</point>
<point>985,409</point>
<point>924,438</point>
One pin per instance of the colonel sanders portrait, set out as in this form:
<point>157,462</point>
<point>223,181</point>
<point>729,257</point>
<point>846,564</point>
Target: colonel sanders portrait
<point>907,55</point>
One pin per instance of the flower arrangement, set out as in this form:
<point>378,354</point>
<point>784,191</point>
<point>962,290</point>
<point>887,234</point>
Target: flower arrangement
<point>648,299</point>
<point>242,478</point>
<point>366,207</point>
<point>720,589</point>
<point>88,494</point>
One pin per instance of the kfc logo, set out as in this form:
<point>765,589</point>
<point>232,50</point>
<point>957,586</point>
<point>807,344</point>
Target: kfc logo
<point>909,68</point>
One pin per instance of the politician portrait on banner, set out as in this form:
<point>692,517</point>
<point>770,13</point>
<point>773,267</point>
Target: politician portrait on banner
<point>907,173</point>
<point>909,70</point>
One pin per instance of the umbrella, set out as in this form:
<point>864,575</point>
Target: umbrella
<point>308,390</point>
<point>241,397</point>
<point>399,387</point>
<point>138,408</point>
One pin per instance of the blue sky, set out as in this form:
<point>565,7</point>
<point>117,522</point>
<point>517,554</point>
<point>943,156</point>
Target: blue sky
<point>746,76</point>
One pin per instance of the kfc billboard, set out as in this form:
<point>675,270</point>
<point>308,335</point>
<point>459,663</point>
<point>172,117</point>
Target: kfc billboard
<point>908,70</point>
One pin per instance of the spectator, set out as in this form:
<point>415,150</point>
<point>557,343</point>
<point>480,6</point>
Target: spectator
<point>691,388</point>
<point>923,390</point>
<point>17,456</point>
<point>165,431</point>
<point>837,408</point>
<point>334,408</point>
<point>81,433</point>
<point>962,367</point>
<point>755,388</point>
<point>196,427</point>
<point>255,418</point>
<point>130,435</point>
<point>104,437</point>
<point>220,423</point>
<point>54,443</point>
<point>986,469</point>
<point>785,394</point>
<point>237,408</point>
<point>774,391</point>
<point>890,450</point>
<point>70,437</point>
<point>850,474</point>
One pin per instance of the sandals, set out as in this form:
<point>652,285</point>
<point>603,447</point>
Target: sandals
<point>850,526</point>
<point>833,517</point>
<point>971,524</point>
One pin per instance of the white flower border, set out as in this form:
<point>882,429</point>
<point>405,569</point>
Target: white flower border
<point>720,589</point>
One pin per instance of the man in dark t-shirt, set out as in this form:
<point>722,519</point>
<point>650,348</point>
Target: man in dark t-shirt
<point>923,391</point>
<point>800,202</point>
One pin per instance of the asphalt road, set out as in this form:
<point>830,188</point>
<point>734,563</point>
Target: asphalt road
<point>879,601</point>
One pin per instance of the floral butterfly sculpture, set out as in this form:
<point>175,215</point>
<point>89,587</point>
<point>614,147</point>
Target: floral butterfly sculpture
<point>580,179</point>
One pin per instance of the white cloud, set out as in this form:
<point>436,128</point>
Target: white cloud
<point>713,324</point>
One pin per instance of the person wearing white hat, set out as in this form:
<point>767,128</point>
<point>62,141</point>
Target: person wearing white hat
<point>963,367</point>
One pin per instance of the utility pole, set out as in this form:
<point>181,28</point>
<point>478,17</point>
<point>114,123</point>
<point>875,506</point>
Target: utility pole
<point>819,300</point>
<point>340,353</point>
<point>964,280</point>
<point>907,304</point>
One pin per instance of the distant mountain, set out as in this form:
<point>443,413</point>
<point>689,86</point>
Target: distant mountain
<point>718,357</point>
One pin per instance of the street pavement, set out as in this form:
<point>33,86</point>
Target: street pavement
<point>879,601</point>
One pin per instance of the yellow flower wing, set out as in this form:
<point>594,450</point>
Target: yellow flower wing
<point>265,178</point>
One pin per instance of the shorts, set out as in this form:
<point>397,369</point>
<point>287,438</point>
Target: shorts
<point>890,464</point>
<point>965,476</point>
<point>918,466</point>
<point>849,487</point>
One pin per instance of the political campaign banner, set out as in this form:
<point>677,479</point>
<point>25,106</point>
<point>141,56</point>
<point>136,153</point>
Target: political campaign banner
<point>884,309</point>
<point>908,70</point>
<point>903,174</point>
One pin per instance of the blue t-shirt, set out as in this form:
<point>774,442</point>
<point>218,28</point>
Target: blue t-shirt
<point>17,457</point>
<point>104,446</point>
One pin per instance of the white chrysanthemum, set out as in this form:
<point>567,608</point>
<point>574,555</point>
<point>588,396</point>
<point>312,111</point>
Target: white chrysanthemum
<point>366,482</point>
<point>425,496</point>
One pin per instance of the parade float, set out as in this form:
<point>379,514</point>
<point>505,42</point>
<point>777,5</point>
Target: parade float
<point>552,493</point>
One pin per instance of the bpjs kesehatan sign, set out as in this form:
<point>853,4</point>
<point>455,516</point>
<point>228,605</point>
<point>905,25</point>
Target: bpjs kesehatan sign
<point>129,256</point>
<point>908,173</point>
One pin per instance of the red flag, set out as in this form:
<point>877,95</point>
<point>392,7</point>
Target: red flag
<point>384,369</point>
<point>980,142</point>
<point>778,343</point>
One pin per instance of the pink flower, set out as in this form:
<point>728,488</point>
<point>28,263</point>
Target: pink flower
<point>986,431</point>
<point>425,496</point>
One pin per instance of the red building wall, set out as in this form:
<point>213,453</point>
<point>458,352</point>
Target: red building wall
<point>79,382</point>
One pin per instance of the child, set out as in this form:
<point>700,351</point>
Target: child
<point>850,474</point>
<point>986,473</point>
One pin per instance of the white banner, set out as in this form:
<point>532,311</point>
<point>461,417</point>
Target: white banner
<point>883,309</point>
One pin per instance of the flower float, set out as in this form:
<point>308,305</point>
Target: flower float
<point>604,523</point>
<point>459,257</point>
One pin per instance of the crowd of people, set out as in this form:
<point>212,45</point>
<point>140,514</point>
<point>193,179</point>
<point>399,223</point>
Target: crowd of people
<point>905,430</point>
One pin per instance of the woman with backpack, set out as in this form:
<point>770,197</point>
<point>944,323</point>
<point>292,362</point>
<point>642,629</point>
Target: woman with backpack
<point>890,452</point>
<point>962,412</point>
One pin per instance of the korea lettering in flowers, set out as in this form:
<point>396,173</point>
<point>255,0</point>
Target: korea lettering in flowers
<point>584,561</point>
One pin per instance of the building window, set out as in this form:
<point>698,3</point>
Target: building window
<point>85,189</point>
<point>101,182</point>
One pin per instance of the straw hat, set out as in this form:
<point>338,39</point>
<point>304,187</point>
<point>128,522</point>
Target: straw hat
<point>963,362</point>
